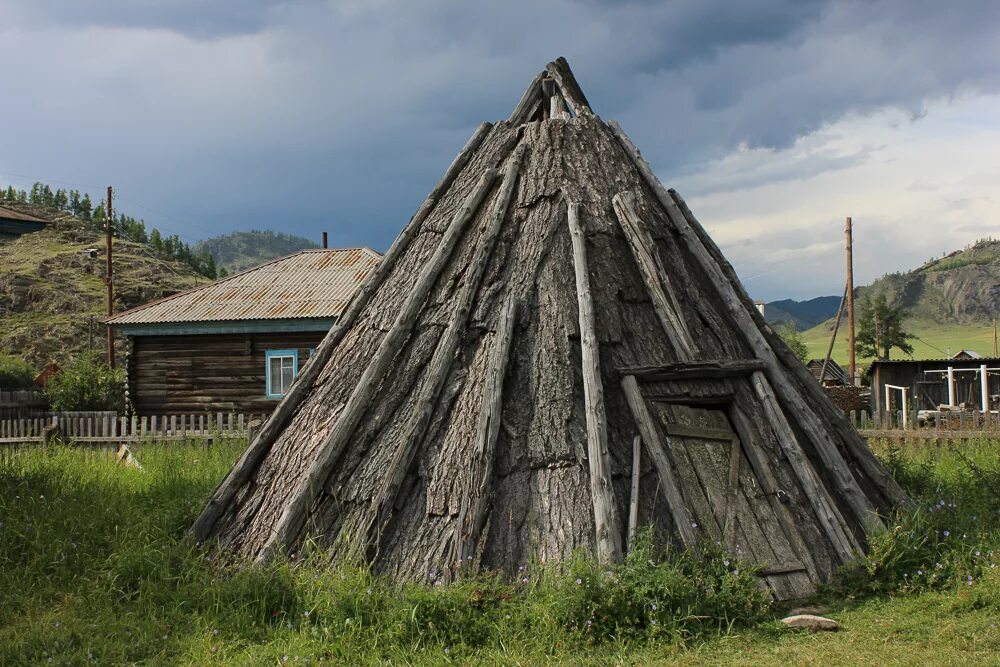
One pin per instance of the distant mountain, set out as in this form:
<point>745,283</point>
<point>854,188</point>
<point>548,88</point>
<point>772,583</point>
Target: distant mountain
<point>950,303</point>
<point>963,287</point>
<point>241,250</point>
<point>803,314</point>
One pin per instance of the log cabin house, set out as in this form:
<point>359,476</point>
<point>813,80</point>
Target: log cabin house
<point>236,344</point>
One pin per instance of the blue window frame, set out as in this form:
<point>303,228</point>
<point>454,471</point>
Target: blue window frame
<point>282,367</point>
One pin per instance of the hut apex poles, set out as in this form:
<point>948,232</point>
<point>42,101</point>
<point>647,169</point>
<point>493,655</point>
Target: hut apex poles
<point>849,237</point>
<point>108,279</point>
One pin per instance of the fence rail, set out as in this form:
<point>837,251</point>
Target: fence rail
<point>110,428</point>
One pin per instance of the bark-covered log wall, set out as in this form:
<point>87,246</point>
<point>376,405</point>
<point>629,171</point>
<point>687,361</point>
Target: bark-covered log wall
<point>540,501</point>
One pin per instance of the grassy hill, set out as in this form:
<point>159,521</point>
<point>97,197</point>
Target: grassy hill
<point>241,250</point>
<point>50,289</point>
<point>950,301</point>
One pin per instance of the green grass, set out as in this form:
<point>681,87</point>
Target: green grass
<point>95,569</point>
<point>934,340</point>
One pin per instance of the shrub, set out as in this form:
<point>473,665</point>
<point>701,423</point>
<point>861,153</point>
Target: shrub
<point>15,373</point>
<point>89,383</point>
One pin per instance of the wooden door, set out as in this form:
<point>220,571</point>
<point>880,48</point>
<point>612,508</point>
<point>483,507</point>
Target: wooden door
<point>729,501</point>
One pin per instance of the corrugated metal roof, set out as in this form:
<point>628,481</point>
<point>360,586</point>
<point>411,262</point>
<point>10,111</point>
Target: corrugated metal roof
<point>311,283</point>
<point>11,214</point>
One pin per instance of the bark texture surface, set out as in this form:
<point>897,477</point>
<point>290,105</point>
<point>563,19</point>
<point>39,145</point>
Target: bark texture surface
<point>471,451</point>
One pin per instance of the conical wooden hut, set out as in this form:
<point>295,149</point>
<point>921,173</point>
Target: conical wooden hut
<point>553,352</point>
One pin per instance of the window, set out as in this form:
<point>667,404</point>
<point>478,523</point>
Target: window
<point>282,366</point>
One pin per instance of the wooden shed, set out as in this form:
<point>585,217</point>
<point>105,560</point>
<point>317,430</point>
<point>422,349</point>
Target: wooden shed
<point>927,382</point>
<point>236,344</point>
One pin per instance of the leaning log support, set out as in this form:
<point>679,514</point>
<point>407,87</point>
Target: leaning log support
<point>380,510</point>
<point>840,536</point>
<point>293,516</point>
<point>871,466</point>
<point>679,512</point>
<point>559,70</point>
<point>633,504</point>
<point>842,478</point>
<point>609,537</point>
<point>251,459</point>
<point>472,515</point>
<point>662,293</point>
<point>529,101</point>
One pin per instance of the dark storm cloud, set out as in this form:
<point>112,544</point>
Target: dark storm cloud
<point>341,115</point>
<point>197,18</point>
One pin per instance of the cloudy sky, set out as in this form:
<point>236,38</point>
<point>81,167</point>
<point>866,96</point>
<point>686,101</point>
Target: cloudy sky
<point>775,119</point>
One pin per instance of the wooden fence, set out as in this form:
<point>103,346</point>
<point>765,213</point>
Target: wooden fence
<point>109,428</point>
<point>15,404</point>
<point>955,425</point>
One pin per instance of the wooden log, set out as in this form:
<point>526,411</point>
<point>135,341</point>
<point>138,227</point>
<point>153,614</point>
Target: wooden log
<point>474,508</point>
<point>560,72</point>
<point>608,536</point>
<point>856,446</point>
<point>529,101</point>
<point>633,505</point>
<point>658,454</point>
<point>293,515</point>
<point>437,371</point>
<point>837,531</point>
<point>826,448</point>
<point>694,370</point>
<point>662,293</point>
<point>261,444</point>
<point>732,492</point>
<point>769,485</point>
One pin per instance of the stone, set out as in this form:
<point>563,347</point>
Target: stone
<point>811,623</point>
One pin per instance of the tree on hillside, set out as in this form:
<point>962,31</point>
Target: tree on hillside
<point>793,339</point>
<point>880,328</point>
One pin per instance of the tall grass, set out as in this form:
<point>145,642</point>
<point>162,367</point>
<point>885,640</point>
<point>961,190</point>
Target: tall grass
<point>950,537</point>
<point>95,568</point>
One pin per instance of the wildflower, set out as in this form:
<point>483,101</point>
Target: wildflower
<point>589,622</point>
<point>579,581</point>
<point>369,591</point>
<point>977,554</point>
<point>507,616</point>
<point>653,606</point>
<point>215,631</point>
<point>306,614</point>
<point>735,572</point>
<point>653,622</point>
<point>920,573</point>
<point>694,524</point>
<point>524,580</point>
<point>447,650</point>
<point>726,562</point>
<point>946,533</point>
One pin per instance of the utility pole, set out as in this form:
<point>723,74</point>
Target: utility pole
<point>108,278</point>
<point>849,236</point>
<point>994,337</point>
<point>324,241</point>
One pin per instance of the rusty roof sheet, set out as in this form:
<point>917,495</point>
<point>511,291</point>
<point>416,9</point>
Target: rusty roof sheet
<point>308,284</point>
<point>11,214</point>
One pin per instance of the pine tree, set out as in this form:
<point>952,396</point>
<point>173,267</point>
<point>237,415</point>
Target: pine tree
<point>880,328</point>
<point>85,207</point>
<point>156,241</point>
